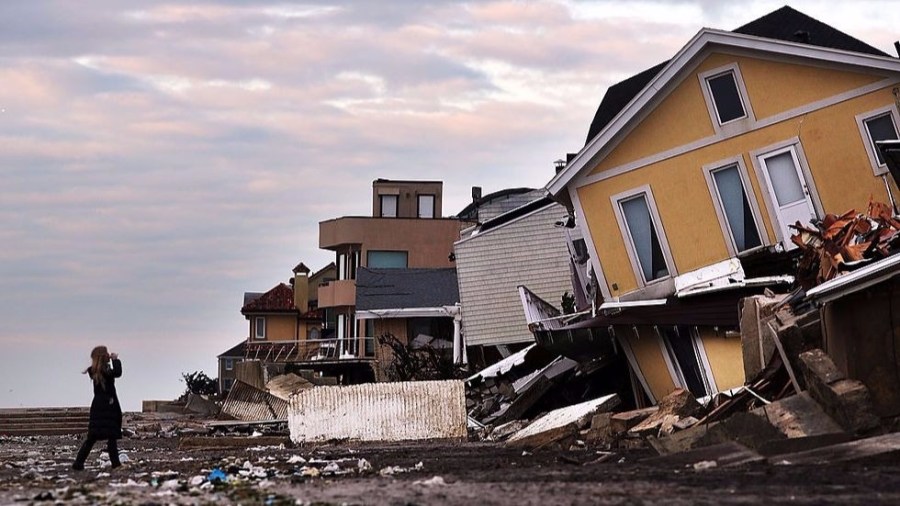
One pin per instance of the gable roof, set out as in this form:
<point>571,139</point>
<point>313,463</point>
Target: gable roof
<point>785,24</point>
<point>405,288</point>
<point>658,84</point>
<point>278,299</point>
<point>238,350</point>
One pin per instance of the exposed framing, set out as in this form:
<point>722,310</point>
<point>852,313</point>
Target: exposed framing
<point>792,143</point>
<point>749,194</point>
<point>736,125</point>
<point>655,221</point>
<point>892,112</point>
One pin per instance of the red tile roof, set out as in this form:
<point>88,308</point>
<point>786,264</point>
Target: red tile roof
<point>278,299</point>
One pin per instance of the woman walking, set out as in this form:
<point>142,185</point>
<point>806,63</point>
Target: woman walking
<point>106,414</point>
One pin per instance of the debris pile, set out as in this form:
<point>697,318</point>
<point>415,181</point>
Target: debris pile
<point>845,242</point>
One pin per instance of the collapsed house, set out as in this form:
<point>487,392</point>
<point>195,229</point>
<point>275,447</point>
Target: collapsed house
<point>683,219</point>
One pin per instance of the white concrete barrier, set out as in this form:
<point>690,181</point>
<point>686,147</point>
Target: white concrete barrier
<point>379,412</point>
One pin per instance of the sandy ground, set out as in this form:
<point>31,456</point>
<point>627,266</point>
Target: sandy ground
<point>36,470</point>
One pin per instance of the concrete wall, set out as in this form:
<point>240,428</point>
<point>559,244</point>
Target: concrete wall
<point>379,412</point>
<point>407,193</point>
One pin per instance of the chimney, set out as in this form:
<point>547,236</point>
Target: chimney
<point>301,287</point>
<point>476,193</point>
<point>897,47</point>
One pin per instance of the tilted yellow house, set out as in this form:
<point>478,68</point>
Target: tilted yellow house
<point>694,170</point>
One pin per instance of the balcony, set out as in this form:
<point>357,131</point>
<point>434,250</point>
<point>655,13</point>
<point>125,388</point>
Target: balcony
<point>337,293</point>
<point>313,350</point>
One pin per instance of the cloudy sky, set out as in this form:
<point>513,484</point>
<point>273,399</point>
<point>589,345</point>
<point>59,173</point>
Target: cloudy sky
<point>159,158</point>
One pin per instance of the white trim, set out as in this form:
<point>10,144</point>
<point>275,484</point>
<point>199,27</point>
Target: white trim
<point>633,362</point>
<point>861,119</point>
<point>796,147</point>
<point>716,197</point>
<point>655,221</point>
<point>589,179</point>
<point>256,334</point>
<point>669,357</point>
<point>737,125</point>
<point>479,233</point>
<point>707,37</point>
<point>596,264</point>
<point>408,312</point>
<point>630,304</point>
<point>855,281</point>
<point>710,380</point>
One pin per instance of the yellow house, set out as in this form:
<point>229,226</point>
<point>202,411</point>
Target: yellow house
<point>695,169</point>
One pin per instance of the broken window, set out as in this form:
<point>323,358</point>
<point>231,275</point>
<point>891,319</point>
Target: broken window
<point>644,238</point>
<point>726,97</point>
<point>734,205</point>
<point>881,128</point>
<point>684,356</point>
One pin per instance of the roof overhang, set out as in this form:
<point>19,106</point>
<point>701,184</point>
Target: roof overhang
<point>411,312</point>
<point>856,281</point>
<point>660,85</point>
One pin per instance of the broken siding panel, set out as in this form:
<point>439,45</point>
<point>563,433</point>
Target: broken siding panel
<point>380,412</point>
<point>244,402</point>
<point>530,252</point>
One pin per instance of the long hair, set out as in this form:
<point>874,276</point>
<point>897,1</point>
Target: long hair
<point>99,365</point>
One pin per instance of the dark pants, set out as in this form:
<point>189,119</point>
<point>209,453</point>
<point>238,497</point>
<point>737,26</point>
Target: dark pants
<point>85,450</point>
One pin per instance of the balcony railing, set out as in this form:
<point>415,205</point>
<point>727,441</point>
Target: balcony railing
<point>312,350</point>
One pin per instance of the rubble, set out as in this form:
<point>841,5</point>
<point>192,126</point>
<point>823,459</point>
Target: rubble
<point>844,243</point>
<point>561,424</point>
<point>847,401</point>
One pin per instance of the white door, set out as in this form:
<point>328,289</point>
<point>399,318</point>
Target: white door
<point>788,191</point>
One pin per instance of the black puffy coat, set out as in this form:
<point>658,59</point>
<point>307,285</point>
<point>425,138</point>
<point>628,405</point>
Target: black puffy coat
<point>106,414</point>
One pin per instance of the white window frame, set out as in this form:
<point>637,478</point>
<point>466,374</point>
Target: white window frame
<point>229,364</point>
<point>381,198</point>
<point>419,204</point>
<point>655,220</point>
<point>795,145</point>
<point>256,327</point>
<point>888,110</point>
<point>736,125</point>
<point>749,194</point>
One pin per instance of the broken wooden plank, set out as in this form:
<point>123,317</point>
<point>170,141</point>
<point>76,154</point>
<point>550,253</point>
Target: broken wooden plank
<point>843,452</point>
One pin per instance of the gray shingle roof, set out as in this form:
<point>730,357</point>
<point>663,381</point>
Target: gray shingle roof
<point>405,288</point>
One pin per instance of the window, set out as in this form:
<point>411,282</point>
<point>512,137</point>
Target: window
<point>314,333</point>
<point>683,356</point>
<point>387,259</point>
<point>388,206</point>
<point>260,326</point>
<point>638,221</point>
<point>726,99</point>
<point>426,206</point>
<point>728,184</point>
<point>229,364</point>
<point>347,264</point>
<point>342,266</point>
<point>228,383</point>
<point>878,125</point>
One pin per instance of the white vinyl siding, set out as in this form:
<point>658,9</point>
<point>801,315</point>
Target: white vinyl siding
<point>528,251</point>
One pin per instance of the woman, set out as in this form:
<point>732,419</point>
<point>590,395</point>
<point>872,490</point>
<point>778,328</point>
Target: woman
<point>106,414</point>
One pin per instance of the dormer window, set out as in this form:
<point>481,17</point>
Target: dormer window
<point>726,99</point>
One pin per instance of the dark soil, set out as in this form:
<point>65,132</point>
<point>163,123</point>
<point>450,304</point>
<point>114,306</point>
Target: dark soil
<point>37,470</point>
